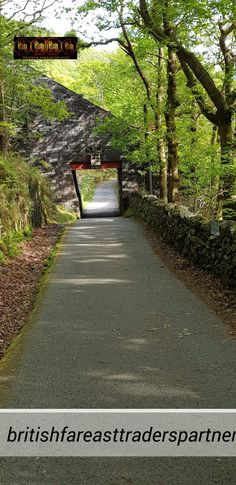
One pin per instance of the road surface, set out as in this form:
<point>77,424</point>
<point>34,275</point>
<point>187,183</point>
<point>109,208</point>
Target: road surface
<point>114,328</point>
<point>105,200</point>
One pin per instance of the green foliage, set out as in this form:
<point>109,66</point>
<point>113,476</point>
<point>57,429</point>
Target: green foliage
<point>201,32</point>
<point>14,194</point>
<point>21,96</point>
<point>40,99</point>
<point>61,215</point>
<point>10,242</point>
<point>23,191</point>
<point>111,80</point>
<point>7,128</point>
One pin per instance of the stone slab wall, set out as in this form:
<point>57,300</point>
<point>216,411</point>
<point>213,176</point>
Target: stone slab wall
<point>210,245</point>
<point>61,142</point>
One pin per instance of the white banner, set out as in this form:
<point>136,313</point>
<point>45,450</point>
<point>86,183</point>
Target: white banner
<point>117,433</point>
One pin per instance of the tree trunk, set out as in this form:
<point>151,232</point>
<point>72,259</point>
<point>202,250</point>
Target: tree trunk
<point>37,207</point>
<point>214,178</point>
<point>158,126</point>
<point>148,179</point>
<point>172,142</point>
<point>163,171</point>
<point>215,204</point>
<point>193,129</point>
<point>226,136</point>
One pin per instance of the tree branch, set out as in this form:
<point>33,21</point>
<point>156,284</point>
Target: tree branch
<point>85,45</point>
<point>228,58</point>
<point>19,11</point>
<point>226,51</point>
<point>40,11</point>
<point>228,29</point>
<point>191,83</point>
<point>158,56</point>
<point>131,53</point>
<point>187,56</point>
<point>128,49</point>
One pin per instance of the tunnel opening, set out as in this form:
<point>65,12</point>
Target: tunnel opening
<point>98,188</point>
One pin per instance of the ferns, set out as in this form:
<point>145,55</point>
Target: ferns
<point>25,202</point>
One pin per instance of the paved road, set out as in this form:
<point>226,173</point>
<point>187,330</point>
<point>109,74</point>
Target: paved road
<point>115,329</point>
<point>105,200</point>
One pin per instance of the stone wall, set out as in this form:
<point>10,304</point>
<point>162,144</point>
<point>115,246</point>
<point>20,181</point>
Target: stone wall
<point>210,245</point>
<point>61,142</point>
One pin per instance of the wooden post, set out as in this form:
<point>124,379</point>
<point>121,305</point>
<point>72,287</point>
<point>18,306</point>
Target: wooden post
<point>120,190</point>
<point>78,193</point>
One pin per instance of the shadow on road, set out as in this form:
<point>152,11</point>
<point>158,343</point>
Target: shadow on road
<point>101,214</point>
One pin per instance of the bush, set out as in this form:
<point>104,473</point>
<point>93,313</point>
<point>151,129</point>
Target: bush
<point>26,201</point>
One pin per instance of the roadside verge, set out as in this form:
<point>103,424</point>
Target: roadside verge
<point>20,280</point>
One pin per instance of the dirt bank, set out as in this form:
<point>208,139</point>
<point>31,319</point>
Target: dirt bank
<point>19,281</point>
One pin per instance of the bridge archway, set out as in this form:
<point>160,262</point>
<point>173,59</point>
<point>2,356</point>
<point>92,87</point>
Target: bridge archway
<point>69,145</point>
<point>74,166</point>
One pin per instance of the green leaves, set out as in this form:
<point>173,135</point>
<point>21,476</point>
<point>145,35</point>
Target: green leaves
<point>7,128</point>
<point>40,99</point>
<point>20,96</point>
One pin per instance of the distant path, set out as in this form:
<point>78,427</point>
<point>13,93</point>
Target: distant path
<point>105,200</point>
<point>116,329</point>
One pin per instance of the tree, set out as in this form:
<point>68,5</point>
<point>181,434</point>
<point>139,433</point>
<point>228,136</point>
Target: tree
<point>185,27</point>
<point>18,93</point>
<point>215,104</point>
<point>137,48</point>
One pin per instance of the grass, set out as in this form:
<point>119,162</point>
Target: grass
<point>129,213</point>
<point>10,243</point>
<point>47,264</point>
<point>61,215</point>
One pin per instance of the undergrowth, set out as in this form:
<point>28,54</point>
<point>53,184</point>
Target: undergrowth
<point>26,201</point>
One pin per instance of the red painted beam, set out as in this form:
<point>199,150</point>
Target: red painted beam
<point>80,166</point>
<point>87,165</point>
<point>111,165</point>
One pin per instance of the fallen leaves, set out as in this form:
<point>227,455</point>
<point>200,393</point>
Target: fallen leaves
<point>19,278</point>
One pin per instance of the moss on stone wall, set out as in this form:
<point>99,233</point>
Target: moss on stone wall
<point>26,201</point>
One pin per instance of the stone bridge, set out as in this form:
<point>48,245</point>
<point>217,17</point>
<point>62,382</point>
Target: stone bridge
<point>69,145</point>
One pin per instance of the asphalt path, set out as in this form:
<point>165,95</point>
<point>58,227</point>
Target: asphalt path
<point>114,328</point>
<point>105,200</point>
